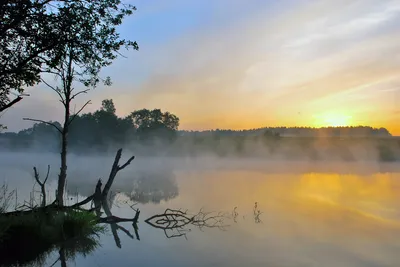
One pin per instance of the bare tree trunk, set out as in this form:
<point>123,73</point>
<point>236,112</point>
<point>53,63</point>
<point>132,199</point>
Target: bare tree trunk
<point>113,173</point>
<point>114,170</point>
<point>63,259</point>
<point>67,86</point>
<point>42,184</point>
<point>63,169</point>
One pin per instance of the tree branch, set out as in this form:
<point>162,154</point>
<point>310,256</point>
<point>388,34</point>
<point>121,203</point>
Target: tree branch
<point>79,111</point>
<point>42,184</point>
<point>114,219</point>
<point>6,106</point>
<point>55,90</point>
<point>80,92</point>
<point>114,170</point>
<point>46,122</point>
<point>126,163</point>
<point>83,202</point>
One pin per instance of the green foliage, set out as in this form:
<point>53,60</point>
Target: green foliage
<point>26,36</point>
<point>37,36</point>
<point>108,106</point>
<point>98,130</point>
<point>151,124</point>
<point>103,127</point>
<point>93,41</point>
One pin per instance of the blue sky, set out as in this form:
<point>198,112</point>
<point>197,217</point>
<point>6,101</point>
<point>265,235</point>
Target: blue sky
<point>240,64</point>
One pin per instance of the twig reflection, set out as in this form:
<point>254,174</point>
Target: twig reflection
<point>175,223</point>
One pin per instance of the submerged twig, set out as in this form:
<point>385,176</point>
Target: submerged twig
<point>257,213</point>
<point>177,220</point>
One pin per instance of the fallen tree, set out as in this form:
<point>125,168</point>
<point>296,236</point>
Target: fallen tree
<point>98,198</point>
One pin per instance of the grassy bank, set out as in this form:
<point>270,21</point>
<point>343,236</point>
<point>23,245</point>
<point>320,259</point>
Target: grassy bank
<point>31,237</point>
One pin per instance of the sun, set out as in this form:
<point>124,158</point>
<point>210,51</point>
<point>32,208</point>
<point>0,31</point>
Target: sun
<point>332,120</point>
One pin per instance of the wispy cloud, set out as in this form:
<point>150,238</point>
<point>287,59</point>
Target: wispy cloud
<point>226,64</point>
<point>266,69</point>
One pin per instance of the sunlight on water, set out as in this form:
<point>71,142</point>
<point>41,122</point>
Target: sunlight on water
<point>302,218</point>
<point>374,196</point>
<point>313,217</point>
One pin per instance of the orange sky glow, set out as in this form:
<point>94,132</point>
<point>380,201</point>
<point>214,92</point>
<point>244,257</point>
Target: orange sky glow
<point>277,63</point>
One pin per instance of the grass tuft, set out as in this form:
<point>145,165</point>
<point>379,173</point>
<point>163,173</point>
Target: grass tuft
<point>31,237</point>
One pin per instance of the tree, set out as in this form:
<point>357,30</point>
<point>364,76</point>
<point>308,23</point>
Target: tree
<point>99,129</point>
<point>92,43</point>
<point>155,118</point>
<point>108,106</point>
<point>170,121</point>
<point>28,40</point>
<point>154,123</point>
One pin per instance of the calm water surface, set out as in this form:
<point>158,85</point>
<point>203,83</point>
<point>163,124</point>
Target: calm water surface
<point>306,214</point>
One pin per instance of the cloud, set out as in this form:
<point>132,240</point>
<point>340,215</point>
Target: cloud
<point>259,71</point>
<point>354,19</point>
<point>239,66</point>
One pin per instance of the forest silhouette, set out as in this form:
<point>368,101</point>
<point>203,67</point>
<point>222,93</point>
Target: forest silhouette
<point>156,133</point>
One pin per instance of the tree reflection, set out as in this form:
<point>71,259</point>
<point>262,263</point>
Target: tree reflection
<point>174,223</point>
<point>114,225</point>
<point>154,186</point>
<point>147,184</point>
<point>37,255</point>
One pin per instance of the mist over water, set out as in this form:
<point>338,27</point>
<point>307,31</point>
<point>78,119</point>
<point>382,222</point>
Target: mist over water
<point>312,213</point>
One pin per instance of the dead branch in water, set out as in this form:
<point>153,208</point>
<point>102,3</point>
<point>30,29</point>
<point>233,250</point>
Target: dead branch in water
<point>257,213</point>
<point>177,221</point>
<point>235,214</point>
<point>42,184</point>
<point>100,195</point>
<point>114,170</point>
<point>99,198</point>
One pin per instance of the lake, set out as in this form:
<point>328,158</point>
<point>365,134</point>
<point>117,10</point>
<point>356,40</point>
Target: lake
<point>263,213</point>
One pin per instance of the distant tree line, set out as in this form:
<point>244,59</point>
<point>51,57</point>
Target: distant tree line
<point>98,131</point>
<point>345,131</point>
<point>102,131</point>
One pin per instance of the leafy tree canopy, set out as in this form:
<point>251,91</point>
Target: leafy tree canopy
<point>101,128</point>
<point>37,35</point>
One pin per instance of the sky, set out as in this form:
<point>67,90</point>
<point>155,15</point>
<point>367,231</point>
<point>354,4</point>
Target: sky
<point>249,64</point>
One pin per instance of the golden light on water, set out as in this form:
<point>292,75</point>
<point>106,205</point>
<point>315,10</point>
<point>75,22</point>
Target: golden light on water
<point>373,196</point>
<point>366,199</point>
<point>351,218</point>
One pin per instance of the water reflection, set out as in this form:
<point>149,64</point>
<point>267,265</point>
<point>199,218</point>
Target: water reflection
<point>272,218</point>
<point>31,253</point>
<point>114,226</point>
<point>177,223</point>
<point>154,186</point>
<point>144,184</point>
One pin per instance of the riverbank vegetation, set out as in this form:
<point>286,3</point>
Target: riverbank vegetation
<point>71,42</point>
<point>156,133</point>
